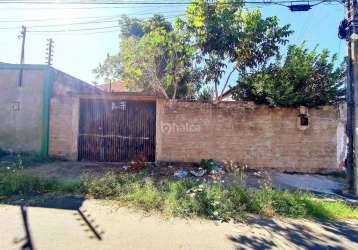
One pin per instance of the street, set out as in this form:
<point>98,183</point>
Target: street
<point>97,225</point>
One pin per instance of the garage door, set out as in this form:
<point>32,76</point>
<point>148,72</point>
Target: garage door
<point>117,131</point>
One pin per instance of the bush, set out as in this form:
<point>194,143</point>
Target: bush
<point>144,196</point>
<point>110,185</point>
<point>177,201</point>
<point>290,204</point>
<point>303,77</point>
<point>240,198</point>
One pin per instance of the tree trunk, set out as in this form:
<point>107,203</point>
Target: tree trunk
<point>226,83</point>
<point>216,92</point>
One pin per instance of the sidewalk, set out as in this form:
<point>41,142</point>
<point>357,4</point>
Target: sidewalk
<point>105,227</point>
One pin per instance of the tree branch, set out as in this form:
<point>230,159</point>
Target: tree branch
<point>227,81</point>
<point>216,91</point>
<point>174,82</point>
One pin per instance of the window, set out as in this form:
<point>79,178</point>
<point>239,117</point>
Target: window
<point>304,120</point>
<point>15,106</point>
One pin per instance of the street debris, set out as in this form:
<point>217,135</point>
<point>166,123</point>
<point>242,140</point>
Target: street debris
<point>219,170</point>
<point>200,172</point>
<point>180,174</point>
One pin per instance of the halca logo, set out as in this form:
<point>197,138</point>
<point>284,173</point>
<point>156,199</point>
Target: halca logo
<point>173,127</point>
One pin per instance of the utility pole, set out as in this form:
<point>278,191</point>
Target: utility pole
<point>351,20</point>
<point>22,59</point>
<point>23,36</point>
<point>348,30</point>
<point>49,51</point>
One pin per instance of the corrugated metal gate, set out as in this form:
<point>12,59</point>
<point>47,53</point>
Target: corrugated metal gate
<point>116,131</point>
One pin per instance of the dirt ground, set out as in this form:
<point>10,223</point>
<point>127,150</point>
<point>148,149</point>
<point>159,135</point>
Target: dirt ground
<point>92,224</point>
<point>73,170</point>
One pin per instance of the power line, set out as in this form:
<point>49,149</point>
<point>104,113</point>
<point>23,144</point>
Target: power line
<point>63,24</point>
<point>104,20</point>
<point>83,29</point>
<point>156,2</point>
<point>117,16</point>
<point>100,3</point>
<point>108,20</point>
<point>80,31</point>
<point>121,4</point>
<point>55,19</point>
<point>72,30</point>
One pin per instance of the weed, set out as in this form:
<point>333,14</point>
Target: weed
<point>186,197</point>
<point>25,160</point>
<point>236,169</point>
<point>209,165</point>
<point>20,183</point>
<point>33,159</point>
<point>144,196</point>
<point>340,174</point>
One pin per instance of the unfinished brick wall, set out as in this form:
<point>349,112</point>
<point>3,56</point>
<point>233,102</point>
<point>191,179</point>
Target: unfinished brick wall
<point>259,136</point>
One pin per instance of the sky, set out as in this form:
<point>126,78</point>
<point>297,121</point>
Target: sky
<point>79,52</point>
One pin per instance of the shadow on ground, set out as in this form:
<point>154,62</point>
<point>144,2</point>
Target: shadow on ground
<point>85,219</point>
<point>266,233</point>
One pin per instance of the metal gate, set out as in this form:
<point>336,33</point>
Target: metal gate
<point>116,131</point>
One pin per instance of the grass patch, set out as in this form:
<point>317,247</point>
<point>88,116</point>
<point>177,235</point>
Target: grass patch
<point>188,197</point>
<point>185,198</point>
<point>339,174</point>
<point>24,160</point>
<point>33,159</point>
<point>328,209</point>
<point>16,182</point>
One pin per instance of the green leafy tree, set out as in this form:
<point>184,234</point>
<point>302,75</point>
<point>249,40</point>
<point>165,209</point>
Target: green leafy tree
<point>154,56</point>
<point>110,70</point>
<point>206,93</point>
<point>303,77</point>
<point>228,34</point>
<point>159,61</point>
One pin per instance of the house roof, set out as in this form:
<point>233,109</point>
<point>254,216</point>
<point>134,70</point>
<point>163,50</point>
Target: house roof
<point>59,76</point>
<point>129,96</point>
<point>227,92</point>
<point>115,87</point>
<point>75,83</point>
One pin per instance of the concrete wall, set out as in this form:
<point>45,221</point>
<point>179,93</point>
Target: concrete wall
<point>21,109</point>
<point>42,114</point>
<point>259,136</point>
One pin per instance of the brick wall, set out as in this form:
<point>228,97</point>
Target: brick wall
<point>259,136</point>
